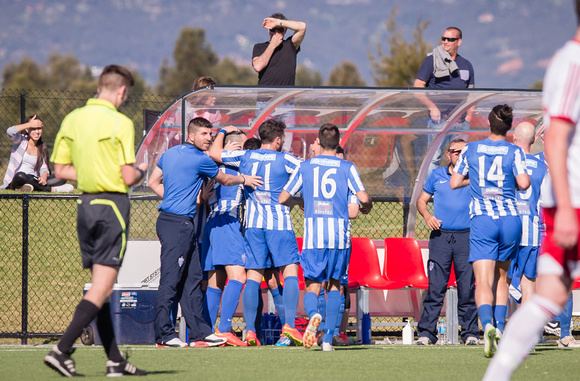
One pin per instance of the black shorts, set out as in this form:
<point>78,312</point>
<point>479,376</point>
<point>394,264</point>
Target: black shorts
<point>103,227</point>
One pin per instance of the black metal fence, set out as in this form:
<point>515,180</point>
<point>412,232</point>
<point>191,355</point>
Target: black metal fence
<point>40,266</point>
<point>52,105</point>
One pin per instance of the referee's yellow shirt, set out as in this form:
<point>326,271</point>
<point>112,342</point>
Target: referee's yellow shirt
<point>97,140</point>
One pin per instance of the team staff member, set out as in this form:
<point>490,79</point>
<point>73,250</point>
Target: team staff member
<point>98,136</point>
<point>177,179</point>
<point>448,243</point>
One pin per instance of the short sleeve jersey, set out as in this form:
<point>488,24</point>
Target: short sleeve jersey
<point>451,206</point>
<point>561,100</point>
<point>326,183</point>
<point>263,211</point>
<point>226,198</point>
<point>97,140</point>
<point>528,201</point>
<point>281,70</point>
<point>492,166</point>
<point>184,168</point>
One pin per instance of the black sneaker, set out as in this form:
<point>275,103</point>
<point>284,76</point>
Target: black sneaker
<point>61,362</point>
<point>123,368</point>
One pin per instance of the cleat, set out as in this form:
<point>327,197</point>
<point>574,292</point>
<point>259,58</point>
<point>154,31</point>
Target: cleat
<point>327,347</point>
<point>472,340</point>
<point>124,368</point>
<point>283,341</point>
<point>309,338</point>
<point>214,340</point>
<point>173,343</point>
<point>568,342</point>
<point>552,328</point>
<point>61,362</point>
<point>293,334</point>
<point>498,335</point>
<point>423,340</point>
<point>252,339</point>
<point>489,340</point>
<point>342,340</point>
<point>515,293</point>
<point>231,339</point>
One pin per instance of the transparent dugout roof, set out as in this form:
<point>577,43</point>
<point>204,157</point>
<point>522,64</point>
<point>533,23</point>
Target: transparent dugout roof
<point>390,134</point>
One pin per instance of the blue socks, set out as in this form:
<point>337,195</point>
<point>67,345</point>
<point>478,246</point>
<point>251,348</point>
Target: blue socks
<point>485,313</point>
<point>332,311</point>
<point>499,314</point>
<point>229,304</point>
<point>340,313</point>
<point>565,318</point>
<point>278,302</point>
<point>251,295</point>
<point>212,301</point>
<point>310,303</point>
<point>290,296</point>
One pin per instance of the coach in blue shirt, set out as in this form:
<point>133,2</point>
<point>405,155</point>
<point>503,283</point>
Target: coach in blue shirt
<point>177,179</point>
<point>449,242</point>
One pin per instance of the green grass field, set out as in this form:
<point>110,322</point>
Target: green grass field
<point>394,362</point>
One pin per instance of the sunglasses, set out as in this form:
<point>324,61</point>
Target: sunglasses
<point>450,39</point>
<point>454,151</point>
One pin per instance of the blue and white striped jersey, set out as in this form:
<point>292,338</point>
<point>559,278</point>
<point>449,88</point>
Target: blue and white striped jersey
<point>492,166</point>
<point>263,211</point>
<point>226,198</point>
<point>327,184</point>
<point>528,201</point>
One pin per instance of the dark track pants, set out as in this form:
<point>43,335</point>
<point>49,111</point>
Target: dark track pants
<point>180,280</point>
<point>445,247</point>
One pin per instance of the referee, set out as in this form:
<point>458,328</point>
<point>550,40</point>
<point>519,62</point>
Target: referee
<point>95,147</point>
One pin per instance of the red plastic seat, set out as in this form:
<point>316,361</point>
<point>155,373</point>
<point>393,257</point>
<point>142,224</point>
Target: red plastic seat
<point>404,262</point>
<point>452,280</point>
<point>364,269</point>
<point>576,284</point>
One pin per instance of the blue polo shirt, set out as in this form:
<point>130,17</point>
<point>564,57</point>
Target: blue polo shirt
<point>458,80</point>
<point>451,205</point>
<point>184,168</point>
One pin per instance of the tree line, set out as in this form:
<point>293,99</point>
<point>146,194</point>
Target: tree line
<point>193,56</point>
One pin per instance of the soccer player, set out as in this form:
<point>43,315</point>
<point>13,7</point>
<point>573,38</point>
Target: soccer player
<point>523,267</point>
<point>559,261</point>
<point>325,182</point>
<point>95,147</point>
<point>495,168</point>
<point>268,224</point>
<point>224,248</point>
<point>177,179</point>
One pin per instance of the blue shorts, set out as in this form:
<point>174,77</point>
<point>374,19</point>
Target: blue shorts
<point>324,264</point>
<point>494,239</point>
<point>277,245</point>
<point>525,263</point>
<point>223,243</point>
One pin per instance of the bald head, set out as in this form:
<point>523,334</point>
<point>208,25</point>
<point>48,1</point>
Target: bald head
<point>524,134</point>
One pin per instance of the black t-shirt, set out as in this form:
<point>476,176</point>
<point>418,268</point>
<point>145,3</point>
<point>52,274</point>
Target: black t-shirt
<point>281,70</point>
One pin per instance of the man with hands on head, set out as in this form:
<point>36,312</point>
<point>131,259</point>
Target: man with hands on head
<point>275,60</point>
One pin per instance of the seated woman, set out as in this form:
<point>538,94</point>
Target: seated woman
<point>28,166</point>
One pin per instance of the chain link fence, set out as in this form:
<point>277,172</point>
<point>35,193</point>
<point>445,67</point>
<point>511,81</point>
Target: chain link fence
<point>53,105</point>
<point>40,264</point>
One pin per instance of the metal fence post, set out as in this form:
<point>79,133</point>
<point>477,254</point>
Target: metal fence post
<point>22,107</point>
<point>451,314</point>
<point>24,327</point>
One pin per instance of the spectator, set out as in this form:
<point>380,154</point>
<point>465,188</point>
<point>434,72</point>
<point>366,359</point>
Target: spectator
<point>204,82</point>
<point>559,261</point>
<point>177,179</point>
<point>448,243</point>
<point>203,105</point>
<point>103,210</point>
<point>275,60</point>
<point>28,166</point>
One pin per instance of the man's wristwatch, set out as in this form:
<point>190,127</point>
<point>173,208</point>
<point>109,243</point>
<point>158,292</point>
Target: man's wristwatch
<point>280,22</point>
